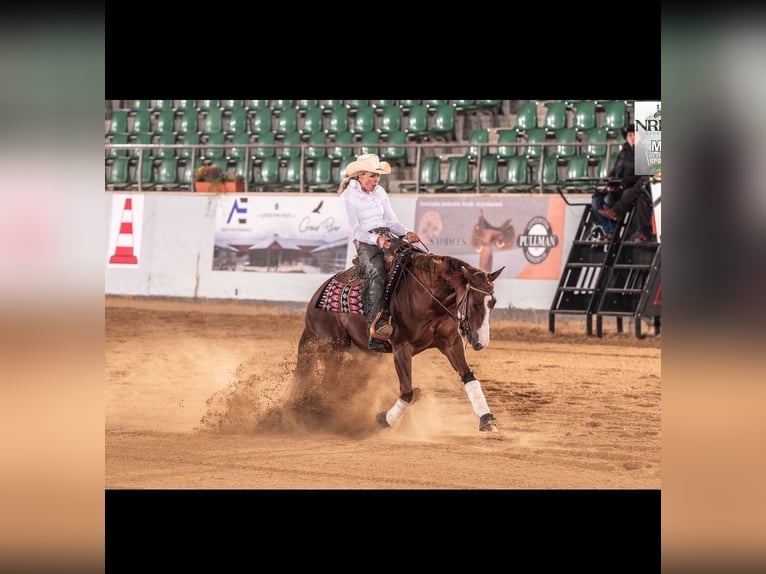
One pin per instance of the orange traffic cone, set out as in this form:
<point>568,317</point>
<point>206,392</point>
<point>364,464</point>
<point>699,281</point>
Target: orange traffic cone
<point>124,250</point>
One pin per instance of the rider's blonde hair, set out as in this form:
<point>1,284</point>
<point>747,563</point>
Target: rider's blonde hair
<point>344,184</point>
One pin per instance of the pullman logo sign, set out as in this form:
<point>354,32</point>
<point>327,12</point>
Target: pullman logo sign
<point>537,240</point>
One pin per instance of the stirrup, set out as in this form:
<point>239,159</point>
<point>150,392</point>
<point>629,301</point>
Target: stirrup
<point>381,327</point>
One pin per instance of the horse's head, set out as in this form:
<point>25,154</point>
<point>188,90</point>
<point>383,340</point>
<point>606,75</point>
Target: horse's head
<point>475,304</point>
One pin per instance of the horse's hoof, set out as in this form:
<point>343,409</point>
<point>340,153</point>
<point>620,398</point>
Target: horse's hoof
<point>382,420</point>
<point>487,423</point>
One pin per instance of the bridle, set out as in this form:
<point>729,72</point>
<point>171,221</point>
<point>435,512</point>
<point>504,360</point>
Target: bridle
<point>461,316</point>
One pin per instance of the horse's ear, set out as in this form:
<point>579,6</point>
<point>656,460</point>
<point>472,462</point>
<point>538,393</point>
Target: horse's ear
<point>466,273</point>
<point>494,275</point>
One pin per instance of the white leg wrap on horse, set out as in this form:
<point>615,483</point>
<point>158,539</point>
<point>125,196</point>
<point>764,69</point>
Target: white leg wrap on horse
<point>476,396</point>
<point>394,414</point>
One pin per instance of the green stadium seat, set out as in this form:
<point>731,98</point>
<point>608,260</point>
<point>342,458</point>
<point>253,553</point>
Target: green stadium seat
<point>260,122</point>
<point>590,149</point>
<point>429,176</point>
<point>458,175</point>
<point>443,125</point>
<point>267,149</point>
<point>291,146</point>
<point>477,136</point>
<point>214,153</point>
<point>266,174</point>
<point>584,116</point>
<point>526,117</point>
<point>577,168</point>
<point>212,121</point>
<point>232,105</point>
<point>280,105</point>
<point>238,150</point>
<point>320,175</point>
<point>167,174</point>
<point>342,147</point>
<point>286,122</point>
<point>142,122</point>
<point>392,154</point>
<point>504,149</point>
<point>141,106</point>
<point>354,105</point>
<point>291,179</point>
<point>382,104</point>
<point>555,116</point>
<point>207,105</point>
<point>186,153</point>
<point>186,181</point>
<point>188,122</point>
<point>489,179</point>
<point>338,120</point>
<point>516,175</point>
<point>165,122</point>
<point>147,174</point>
<point>390,119</point>
<point>142,139</point>
<point>562,137</point>
<point>313,122</point>
<point>237,122</point>
<point>329,105</point>
<point>615,117</point>
<point>252,105</point>
<point>119,122</point>
<point>463,106</point>
<point>118,173</point>
<point>407,105</point>
<point>432,105</point>
<point>164,106</point>
<point>315,148</point>
<point>416,123</point>
<point>550,172</point>
<point>117,139</point>
<point>369,143</point>
<point>186,106</point>
<point>304,105</point>
<point>533,136</point>
<point>363,120</point>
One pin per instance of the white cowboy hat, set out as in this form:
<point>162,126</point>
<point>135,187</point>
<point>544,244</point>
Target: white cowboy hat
<point>368,162</point>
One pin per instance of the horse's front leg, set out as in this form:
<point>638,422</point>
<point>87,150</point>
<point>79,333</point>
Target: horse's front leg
<point>403,365</point>
<point>455,354</point>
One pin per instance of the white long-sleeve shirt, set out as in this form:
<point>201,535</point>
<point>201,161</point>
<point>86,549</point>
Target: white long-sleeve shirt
<point>366,211</point>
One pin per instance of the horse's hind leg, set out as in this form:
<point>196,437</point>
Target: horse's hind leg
<point>306,365</point>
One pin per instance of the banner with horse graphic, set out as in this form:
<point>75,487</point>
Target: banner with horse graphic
<point>521,233</point>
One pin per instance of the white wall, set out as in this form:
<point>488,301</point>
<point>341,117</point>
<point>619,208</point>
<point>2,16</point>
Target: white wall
<point>173,238</point>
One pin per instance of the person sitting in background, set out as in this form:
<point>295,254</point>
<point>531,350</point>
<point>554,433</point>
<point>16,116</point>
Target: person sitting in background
<point>369,212</point>
<point>624,170</point>
<point>631,191</point>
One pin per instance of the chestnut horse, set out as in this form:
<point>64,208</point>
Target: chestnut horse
<point>435,301</point>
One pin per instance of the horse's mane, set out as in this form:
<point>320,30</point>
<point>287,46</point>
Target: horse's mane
<point>438,268</point>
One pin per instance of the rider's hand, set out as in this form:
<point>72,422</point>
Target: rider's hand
<point>412,237</point>
<point>383,242</point>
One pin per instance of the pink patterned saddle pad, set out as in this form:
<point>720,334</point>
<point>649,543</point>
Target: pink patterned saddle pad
<point>343,293</point>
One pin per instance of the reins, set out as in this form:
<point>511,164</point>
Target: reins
<point>461,307</point>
